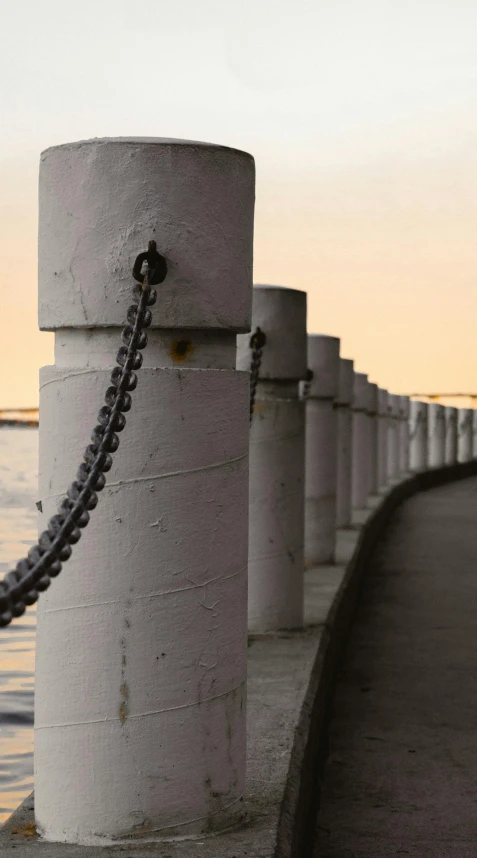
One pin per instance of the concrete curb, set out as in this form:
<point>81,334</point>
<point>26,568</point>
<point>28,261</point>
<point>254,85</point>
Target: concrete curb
<point>301,796</point>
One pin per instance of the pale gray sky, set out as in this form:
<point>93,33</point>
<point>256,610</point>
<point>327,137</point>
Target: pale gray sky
<point>362,119</point>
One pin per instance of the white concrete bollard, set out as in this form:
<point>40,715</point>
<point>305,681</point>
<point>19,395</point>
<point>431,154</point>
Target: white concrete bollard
<point>465,433</point>
<point>277,461</point>
<point>393,437</point>
<point>451,435</point>
<point>373,486</point>
<point>474,432</point>
<point>437,435</point>
<point>382,438</point>
<point>404,410</point>
<point>141,641</point>
<point>418,436</point>
<point>360,467</point>
<point>345,442</point>
<point>321,449</point>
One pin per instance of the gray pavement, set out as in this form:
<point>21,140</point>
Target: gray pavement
<point>401,776</point>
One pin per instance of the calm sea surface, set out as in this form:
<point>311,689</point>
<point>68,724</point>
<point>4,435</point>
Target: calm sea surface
<point>18,493</point>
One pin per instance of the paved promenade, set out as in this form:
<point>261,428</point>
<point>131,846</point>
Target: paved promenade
<point>401,777</point>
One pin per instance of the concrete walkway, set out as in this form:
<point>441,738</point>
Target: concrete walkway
<point>401,777</point>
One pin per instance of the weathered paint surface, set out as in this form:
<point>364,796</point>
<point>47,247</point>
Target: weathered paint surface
<point>393,436</point>
<point>404,409</point>
<point>382,438</point>
<point>436,435</point>
<point>345,443</point>
<point>277,461</point>
<point>360,472</point>
<point>451,414</point>
<point>373,486</point>
<point>418,436</point>
<point>276,540</point>
<point>141,642</point>
<point>465,434</point>
<point>107,197</point>
<point>321,449</point>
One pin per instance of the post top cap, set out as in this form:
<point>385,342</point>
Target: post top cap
<point>323,337</point>
<point>382,401</point>
<point>149,141</point>
<point>361,391</point>
<point>280,312</point>
<point>345,382</point>
<point>324,362</point>
<point>103,200</point>
<point>272,286</point>
<point>372,398</point>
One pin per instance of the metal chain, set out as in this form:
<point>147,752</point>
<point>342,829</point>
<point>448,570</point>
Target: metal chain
<point>32,575</point>
<point>257,342</point>
<point>305,390</point>
<point>415,430</point>
<point>464,424</point>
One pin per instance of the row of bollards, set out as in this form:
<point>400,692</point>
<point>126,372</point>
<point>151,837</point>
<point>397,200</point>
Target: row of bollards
<point>359,440</point>
<point>141,658</point>
<point>441,435</point>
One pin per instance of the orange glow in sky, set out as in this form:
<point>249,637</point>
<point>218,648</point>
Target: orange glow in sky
<point>361,119</point>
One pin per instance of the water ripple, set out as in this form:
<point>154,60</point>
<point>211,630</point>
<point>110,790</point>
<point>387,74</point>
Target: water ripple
<point>18,522</point>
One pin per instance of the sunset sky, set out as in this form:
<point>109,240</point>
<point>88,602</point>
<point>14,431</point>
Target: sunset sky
<point>362,119</point>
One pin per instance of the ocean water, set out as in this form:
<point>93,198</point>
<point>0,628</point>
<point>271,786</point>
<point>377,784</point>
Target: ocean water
<point>18,522</point>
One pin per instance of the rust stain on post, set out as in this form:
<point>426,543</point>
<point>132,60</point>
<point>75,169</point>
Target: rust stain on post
<point>123,708</point>
<point>180,350</point>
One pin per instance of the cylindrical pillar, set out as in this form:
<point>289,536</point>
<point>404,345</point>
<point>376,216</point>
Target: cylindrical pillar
<point>277,461</point>
<point>321,450</point>
<point>360,467</point>
<point>141,641</point>
<point>373,486</point>
<point>404,410</point>
<point>345,442</point>
<point>451,435</point>
<point>382,438</point>
<point>393,437</point>
<point>465,434</point>
<point>437,435</point>
<point>418,436</point>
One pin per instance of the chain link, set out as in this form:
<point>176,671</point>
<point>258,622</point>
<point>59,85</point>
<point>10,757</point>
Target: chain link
<point>306,384</point>
<point>465,424</point>
<point>32,575</point>
<point>257,342</point>
<point>419,419</point>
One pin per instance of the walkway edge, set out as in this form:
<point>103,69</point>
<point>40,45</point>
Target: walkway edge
<point>301,796</point>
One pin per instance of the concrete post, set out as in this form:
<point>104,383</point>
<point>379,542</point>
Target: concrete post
<point>373,486</point>
<point>141,641</point>
<point>418,436</point>
<point>451,435</point>
<point>321,450</point>
<point>345,442</point>
<point>277,461</point>
<point>393,437</point>
<point>382,438</point>
<point>437,435</point>
<point>360,468</point>
<point>404,410</point>
<point>474,432</point>
<point>465,434</point>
